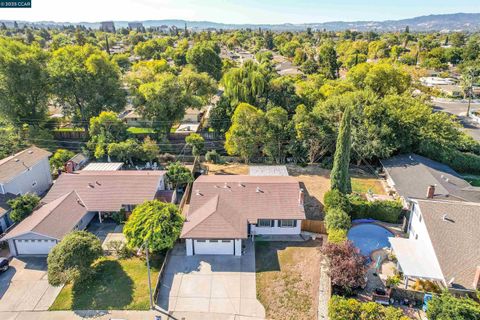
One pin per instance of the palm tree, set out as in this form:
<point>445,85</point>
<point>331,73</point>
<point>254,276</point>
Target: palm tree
<point>469,77</point>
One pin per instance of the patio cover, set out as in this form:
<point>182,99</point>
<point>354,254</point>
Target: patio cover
<point>415,259</point>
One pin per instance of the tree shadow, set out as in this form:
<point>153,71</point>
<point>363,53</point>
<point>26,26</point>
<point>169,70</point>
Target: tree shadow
<point>313,206</point>
<point>110,288</point>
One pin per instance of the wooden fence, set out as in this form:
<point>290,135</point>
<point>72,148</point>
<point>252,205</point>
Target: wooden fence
<point>315,226</point>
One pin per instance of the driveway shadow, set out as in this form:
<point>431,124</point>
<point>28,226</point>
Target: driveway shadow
<point>110,288</point>
<point>6,279</point>
<point>34,263</point>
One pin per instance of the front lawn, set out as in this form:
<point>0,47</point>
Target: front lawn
<point>288,275</point>
<point>117,285</point>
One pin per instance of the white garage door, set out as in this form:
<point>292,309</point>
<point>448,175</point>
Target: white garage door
<point>34,247</point>
<point>213,246</point>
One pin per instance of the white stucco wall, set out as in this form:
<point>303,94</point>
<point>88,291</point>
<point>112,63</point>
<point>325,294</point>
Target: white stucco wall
<point>82,224</point>
<point>276,229</point>
<point>418,230</point>
<point>24,182</point>
<point>238,247</point>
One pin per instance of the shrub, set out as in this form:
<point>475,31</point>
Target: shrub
<point>213,157</point>
<point>337,235</point>
<point>387,211</point>
<point>340,308</point>
<point>71,259</point>
<point>393,281</point>
<point>446,306</point>
<point>336,218</point>
<point>120,216</point>
<point>22,206</point>
<point>335,199</point>
<point>347,266</point>
<point>426,286</point>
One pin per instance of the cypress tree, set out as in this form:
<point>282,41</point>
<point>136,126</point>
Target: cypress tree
<point>340,178</point>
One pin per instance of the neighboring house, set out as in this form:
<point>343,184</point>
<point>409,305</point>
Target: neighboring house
<point>443,244</point>
<point>77,162</point>
<point>75,199</point>
<point>26,172</point>
<point>45,227</point>
<point>103,166</point>
<point>133,119</point>
<point>414,176</point>
<point>225,210</point>
<point>107,192</point>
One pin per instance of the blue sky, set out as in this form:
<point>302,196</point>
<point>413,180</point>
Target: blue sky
<point>236,11</point>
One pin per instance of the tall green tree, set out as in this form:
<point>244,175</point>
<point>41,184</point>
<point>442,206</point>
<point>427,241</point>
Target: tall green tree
<point>86,81</point>
<point>245,134</point>
<point>59,158</point>
<point>105,129</point>
<point>327,59</point>
<point>339,177</point>
<point>154,222</point>
<point>24,83</point>
<point>196,142</point>
<point>276,135</point>
<point>205,59</point>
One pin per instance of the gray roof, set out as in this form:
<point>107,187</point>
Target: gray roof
<point>455,239</point>
<point>54,219</point>
<point>412,174</point>
<point>20,162</point>
<point>268,171</point>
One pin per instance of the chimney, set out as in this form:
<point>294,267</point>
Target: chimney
<point>69,167</point>
<point>301,197</point>
<point>430,191</point>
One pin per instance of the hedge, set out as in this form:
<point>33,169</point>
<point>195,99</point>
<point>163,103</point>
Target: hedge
<point>387,211</point>
<point>459,161</point>
<point>335,199</point>
<point>337,235</point>
<point>336,218</point>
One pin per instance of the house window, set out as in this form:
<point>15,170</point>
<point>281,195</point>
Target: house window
<point>416,237</point>
<point>201,241</point>
<point>226,241</point>
<point>265,223</point>
<point>290,223</point>
<point>215,241</point>
<point>419,218</point>
<point>34,183</point>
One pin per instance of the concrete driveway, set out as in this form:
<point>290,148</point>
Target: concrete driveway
<point>24,286</point>
<point>211,284</point>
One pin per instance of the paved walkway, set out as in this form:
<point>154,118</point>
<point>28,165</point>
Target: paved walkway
<point>211,284</point>
<point>324,292</point>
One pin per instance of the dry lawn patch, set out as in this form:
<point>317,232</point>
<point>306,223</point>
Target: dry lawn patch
<point>288,275</point>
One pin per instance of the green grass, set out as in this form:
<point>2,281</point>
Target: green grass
<point>363,185</point>
<point>137,130</point>
<point>117,285</point>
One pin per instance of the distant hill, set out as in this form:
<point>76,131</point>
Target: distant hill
<point>438,22</point>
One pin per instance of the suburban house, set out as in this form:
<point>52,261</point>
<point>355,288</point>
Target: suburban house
<point>27,171</point>
<point>76,198</point>
<point>225,210</point>
<point>77,162</point>
<point>46,226</point>
<point>443,244</point>
<point>413,176</point>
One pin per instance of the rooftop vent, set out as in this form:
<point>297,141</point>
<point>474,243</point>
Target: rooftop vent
<point>98,183</point>
<point>197,192</point>
<point>91,185</point>
<point>217,186</point>
<point>241,185</point>
<point>16,160</point>
<point>258,190</point>
<point>30,151</point>
<point>445,217</point>
<point>225,185</point>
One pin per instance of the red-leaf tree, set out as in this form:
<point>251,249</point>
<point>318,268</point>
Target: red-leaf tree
<point>347,266</point>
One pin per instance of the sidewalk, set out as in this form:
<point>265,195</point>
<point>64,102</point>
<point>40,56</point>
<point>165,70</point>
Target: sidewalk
<point>80,315</point>
<point>117,315</point>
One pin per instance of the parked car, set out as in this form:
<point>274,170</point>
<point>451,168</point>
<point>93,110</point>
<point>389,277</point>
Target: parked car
<point>4,264</point>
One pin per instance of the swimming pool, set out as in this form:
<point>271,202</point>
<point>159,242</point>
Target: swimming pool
<point>369,237</point>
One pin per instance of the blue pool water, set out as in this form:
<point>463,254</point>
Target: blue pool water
<point>369,237</point>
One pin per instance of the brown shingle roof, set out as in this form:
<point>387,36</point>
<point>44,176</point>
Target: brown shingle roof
<point>456,239</point>
<point>221,205</point>
<point>12,166</point>
<point>54,219</point>
<point>108,190</point>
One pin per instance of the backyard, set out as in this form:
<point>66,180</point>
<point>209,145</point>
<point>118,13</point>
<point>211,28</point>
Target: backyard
<point>288,275</point>
<point>118,284</point>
